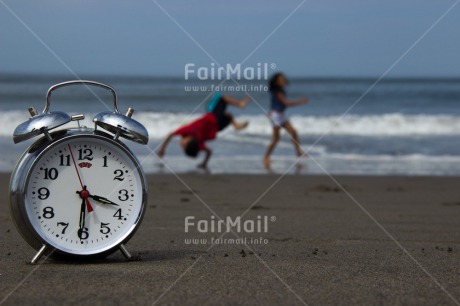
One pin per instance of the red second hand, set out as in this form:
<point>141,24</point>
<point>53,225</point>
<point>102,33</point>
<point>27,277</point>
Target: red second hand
<point>88,204</point>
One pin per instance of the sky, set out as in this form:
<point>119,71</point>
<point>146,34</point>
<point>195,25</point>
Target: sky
<point>327,38</point>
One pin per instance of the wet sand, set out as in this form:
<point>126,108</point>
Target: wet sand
<point>322,246</point>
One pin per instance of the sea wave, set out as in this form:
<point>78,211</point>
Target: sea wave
<point>368,125</point>
<point>160,123</point>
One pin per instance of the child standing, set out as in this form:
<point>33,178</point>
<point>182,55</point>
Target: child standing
<point>277,115</point>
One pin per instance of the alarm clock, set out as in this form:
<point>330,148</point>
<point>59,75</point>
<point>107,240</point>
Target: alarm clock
<point>78,192</point>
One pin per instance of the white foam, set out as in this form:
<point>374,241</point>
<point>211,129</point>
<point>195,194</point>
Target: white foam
<point>160,124</point>
<point>369,125</point>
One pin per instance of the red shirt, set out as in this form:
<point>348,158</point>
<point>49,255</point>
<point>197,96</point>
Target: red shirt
<point>202,129</point>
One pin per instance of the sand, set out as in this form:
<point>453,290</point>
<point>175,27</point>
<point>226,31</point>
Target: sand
<point>324,248</point>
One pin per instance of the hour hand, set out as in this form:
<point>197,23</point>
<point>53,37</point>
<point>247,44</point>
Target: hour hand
<point>102,200</point>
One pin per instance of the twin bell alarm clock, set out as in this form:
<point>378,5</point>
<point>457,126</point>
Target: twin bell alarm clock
<point>78,192</point>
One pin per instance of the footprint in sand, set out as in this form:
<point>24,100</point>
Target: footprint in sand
<point>325,188</point>
<point>395,189</point>
<point>450,203</point>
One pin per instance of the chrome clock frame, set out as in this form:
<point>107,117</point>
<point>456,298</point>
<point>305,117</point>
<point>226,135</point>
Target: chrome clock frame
<point>18,187</point>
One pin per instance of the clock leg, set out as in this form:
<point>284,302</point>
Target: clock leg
<point>39,255</point>
<point>125,251</point>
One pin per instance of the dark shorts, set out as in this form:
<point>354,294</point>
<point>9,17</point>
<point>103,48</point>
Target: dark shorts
<point>218,108</point>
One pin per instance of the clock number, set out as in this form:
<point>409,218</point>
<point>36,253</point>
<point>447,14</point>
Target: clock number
<point>83,233</point>
<point>43,193</point>
<point>118,175</point>
<point>118,215</point>
<point>48,212</point>
<point>85,154</point>
<point>104,228</point>
<point>65,225</point>
<point>105,161</point>
<point>51,173</point>
<point>123,195</point>
<point>65,160</point>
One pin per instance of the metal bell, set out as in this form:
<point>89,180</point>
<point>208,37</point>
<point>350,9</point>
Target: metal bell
<point>46,121</point>
<point>114,122</point>
<point>122,125</point>
<point>39,124</point>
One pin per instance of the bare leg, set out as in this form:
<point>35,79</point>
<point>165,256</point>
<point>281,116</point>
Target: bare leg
<point>295,138</point>
<point>237,125</point>
<point>272,145</point>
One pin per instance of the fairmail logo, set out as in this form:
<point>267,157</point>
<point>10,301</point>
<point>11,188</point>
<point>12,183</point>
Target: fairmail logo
<point>258,225</point>
<point>226,72</point>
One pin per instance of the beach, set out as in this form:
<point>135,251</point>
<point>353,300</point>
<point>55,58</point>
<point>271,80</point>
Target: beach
<point>413,132</point>
<point>292,153</point>
<point>369,240</point>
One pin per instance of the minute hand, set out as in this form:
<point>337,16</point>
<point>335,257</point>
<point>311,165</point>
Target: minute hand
<point>102,200</point>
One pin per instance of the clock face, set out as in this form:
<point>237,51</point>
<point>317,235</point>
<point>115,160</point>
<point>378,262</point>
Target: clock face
<point>84,195</point>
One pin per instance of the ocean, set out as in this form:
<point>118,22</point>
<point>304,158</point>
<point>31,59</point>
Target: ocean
<point>400,127</point>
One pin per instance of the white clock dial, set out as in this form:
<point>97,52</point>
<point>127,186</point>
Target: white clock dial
<point>84,195</point>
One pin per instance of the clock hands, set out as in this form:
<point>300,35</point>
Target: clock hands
<point>102,200</point>
<point>82,217</point>
<point>85,195</point>
<point>83,231</point>
<point>88,204</point>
